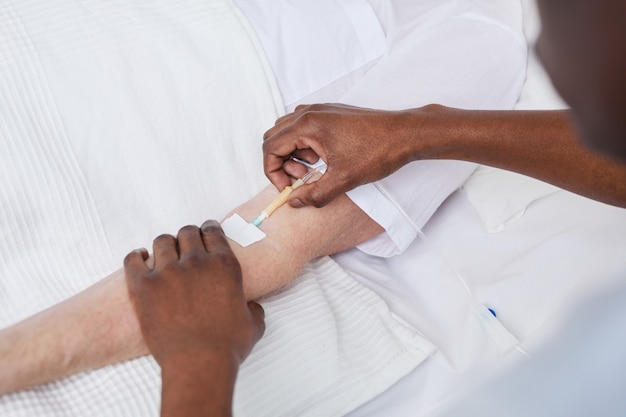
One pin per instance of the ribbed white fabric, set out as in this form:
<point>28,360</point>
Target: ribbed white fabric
<point>330,345</point>
<point>353,346</point>
<point>111,110</point>
<point>43,191</point>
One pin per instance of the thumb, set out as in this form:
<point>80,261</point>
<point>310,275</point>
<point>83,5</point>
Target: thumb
<point>258,319</point>
<point>317,194</point>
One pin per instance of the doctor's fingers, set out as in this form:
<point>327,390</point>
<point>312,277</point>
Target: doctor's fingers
<point>165,250</point>
<point>301,129</point>
<point>288,142</point>
<point>213,236</point>
<point>136,272</point>
<point>190,241</point>
<point>221,256</point>
<point>295,169</point>
<point>321,192</point>
<point>135,263</point>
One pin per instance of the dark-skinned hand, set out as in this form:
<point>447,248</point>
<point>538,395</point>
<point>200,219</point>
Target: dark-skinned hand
<point>191,302</point>
<point>358,145</point>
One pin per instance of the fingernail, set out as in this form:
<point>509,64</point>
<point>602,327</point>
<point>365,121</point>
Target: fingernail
<point>210,225</point>
<point>296,203</point>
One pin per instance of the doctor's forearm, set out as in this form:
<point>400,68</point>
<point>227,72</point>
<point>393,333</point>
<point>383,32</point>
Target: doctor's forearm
<point>540,144</point>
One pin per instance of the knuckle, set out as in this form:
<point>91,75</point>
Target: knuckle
<point>302,107</point>
<point>271,145</point>
<point>432,108</point>
<point>164,237</point>
<point>267,134</point>
<point>317,199</point>
<point>315,107</point>
<point>135,256</point>
<point>128,258</point>
<point>212,226</point>
<point>188,229</point>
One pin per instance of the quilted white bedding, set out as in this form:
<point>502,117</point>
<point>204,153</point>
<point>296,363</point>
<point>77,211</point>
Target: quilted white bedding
<point>121,121</point>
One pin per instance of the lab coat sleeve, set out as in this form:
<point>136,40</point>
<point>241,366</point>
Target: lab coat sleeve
<point>467,60</point>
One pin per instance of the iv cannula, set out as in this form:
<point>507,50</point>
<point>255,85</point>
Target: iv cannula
<point>282,197</point>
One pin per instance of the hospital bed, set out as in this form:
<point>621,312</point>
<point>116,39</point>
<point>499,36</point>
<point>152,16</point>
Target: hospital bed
<point>94,138</point>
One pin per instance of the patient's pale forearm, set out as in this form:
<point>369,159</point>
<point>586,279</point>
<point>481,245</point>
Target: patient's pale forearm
<point>296,236</point>
<point>89,330</point>
<point>98,326</point>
